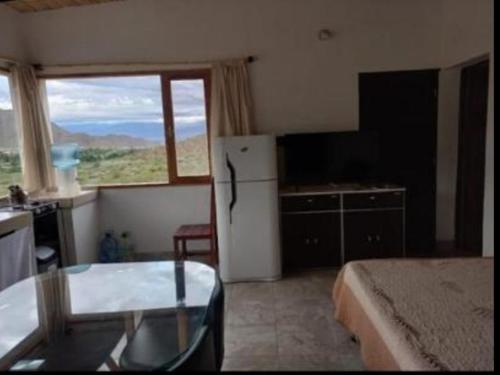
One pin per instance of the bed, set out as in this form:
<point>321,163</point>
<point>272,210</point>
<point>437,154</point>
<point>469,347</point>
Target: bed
<point>419,314</point>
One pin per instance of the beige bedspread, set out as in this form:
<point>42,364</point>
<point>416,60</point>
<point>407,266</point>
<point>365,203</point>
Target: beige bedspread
<point>419,314</point>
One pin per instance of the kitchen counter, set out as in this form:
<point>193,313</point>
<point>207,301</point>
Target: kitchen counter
<point>10,221</point>
<point>340,188</point>
<point>68,201</point>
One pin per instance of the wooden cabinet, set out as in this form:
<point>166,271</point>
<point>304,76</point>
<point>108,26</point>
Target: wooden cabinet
<point>373,234</point>
<point>328,202</point>
<point>326,230</point>
<point>373,200</point>
<point>311,239</point>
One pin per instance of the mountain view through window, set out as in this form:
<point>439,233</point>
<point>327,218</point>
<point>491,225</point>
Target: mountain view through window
<point>120,126</point>
<point>10,161</point>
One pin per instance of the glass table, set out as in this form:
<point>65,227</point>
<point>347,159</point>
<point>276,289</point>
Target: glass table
<point>118,316</point>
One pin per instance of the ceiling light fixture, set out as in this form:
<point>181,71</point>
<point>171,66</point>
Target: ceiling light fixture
<point>325,34</point>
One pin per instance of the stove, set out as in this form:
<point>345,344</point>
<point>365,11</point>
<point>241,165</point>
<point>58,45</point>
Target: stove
<point>35,207</point>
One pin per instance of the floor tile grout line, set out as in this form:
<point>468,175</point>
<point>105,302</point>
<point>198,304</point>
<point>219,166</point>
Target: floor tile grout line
<point>274,289</point>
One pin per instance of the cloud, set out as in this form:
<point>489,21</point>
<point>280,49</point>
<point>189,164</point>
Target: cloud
<point>122,99</point>
<point>5,100</point>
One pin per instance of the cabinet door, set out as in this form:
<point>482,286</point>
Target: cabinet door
<point>324,233</point>
<point>389,237</point>
<point>310,240</point>
<point>373,234</point>
<point>360,229</point>
<point>294,239</point>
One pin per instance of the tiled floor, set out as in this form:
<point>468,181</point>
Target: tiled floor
<point>286,325</point>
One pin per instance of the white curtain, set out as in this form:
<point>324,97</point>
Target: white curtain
<point>231,101</point>
<point>35,132</point>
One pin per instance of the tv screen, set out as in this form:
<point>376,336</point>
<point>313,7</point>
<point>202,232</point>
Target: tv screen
<point>334,157</point>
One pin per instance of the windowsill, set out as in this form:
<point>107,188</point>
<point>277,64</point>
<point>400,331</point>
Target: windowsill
<point>146,185</point>
<point>5,199</point>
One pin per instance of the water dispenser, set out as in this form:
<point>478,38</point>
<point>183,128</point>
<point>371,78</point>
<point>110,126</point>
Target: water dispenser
<point>65,158</point>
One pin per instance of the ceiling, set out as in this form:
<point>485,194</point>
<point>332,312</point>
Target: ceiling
<point>41,5</point>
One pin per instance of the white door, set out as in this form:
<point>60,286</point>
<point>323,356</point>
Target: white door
<point>251,249</point>
<point>222,201</point>
<point>253,158</point>
<point>219,168</point>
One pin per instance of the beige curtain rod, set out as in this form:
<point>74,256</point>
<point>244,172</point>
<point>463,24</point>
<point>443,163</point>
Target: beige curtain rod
<point>9,60</point>
<point>249,59</point>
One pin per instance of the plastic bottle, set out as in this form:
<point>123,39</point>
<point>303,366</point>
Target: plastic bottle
<point>126,247</point>
<point>108,251</point>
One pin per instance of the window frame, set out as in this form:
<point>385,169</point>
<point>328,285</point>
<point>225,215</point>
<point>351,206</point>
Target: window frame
<point>166,77</point>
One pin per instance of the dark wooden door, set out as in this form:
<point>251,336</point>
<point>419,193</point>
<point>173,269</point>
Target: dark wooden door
<point>471,158</point>
<point>402,108</point>
<point>360,229</point>
<point>373,234</point>
<point>293,237</point>
<point>389,238</point>
<point>310,240</point>
<point>324,232</point>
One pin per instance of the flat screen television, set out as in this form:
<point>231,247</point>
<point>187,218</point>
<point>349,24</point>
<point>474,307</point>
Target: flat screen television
<point>333,157</point>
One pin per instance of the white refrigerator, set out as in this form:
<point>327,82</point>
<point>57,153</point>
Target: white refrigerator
<point>246,195</point>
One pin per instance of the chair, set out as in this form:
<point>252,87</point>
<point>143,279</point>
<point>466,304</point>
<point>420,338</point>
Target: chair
<point>198,232</point>
<point>199,357</point>
<point>155,337</point>
<point>207,350</point>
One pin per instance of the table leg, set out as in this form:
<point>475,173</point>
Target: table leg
<point>184,250</point>
<point>176,248</point>
<point>212,251</point>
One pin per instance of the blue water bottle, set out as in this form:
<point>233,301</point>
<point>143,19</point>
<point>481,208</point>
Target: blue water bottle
<point>108,252</point>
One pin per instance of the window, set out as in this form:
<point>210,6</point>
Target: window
<point>134,129</point>
<point>187,122</point>
<point>10,161</point>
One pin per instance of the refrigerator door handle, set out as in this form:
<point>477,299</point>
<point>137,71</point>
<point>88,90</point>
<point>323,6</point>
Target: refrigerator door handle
<point>232,172</point>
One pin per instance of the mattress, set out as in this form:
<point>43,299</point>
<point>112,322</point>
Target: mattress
<point>419,314</point>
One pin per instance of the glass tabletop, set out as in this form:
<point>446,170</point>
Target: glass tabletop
<point>119,316</point>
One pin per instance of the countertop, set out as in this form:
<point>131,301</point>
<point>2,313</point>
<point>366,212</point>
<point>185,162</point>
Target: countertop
<point>10,221</point>
<point>340,188</point>
<point>67,201</point>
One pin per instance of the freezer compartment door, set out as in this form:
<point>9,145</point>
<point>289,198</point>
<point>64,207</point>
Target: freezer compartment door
<point>252,157</point>
<point>251,247</point>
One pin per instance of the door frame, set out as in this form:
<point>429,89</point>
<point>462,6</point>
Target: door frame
<point>460,215</point>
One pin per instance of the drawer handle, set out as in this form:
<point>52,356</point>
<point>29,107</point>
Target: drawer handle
<point>309,200</point>
<point>334,196</point>
<point>377,237</point>
<point>369,238</point>
<point>372,197</point>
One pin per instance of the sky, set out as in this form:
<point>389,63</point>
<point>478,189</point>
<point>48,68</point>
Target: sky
<point>5,102</point>
<point>114,100</point>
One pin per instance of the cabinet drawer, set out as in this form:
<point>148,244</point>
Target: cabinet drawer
<point>373,200</point>
<point>325,202</point>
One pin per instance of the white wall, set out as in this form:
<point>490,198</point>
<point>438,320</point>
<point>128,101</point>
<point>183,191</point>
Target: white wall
<point>11,41</point>
<point>299,83</point>
<point>86,232</point>
<point>447,153</point>
<point>467,30</point>
<point>467,34</point>
<point>489,190</point>
<point>153,214</point>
